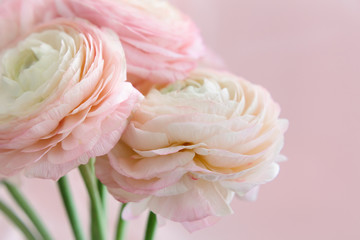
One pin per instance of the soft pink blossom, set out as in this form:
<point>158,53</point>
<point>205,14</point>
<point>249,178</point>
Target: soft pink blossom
<point>17,17</point>
<point>161,43</point>
<point>194,144</point>
<point>63,98</point>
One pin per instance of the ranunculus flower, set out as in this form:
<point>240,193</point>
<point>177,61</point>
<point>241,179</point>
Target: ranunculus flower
<point>193,144</point>
<point>17,17</point>
<point>161,44</point>
<point>63,98</point>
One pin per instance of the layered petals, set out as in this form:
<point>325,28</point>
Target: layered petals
<point>64,98</point>
<point>194,144</point>
<point>161,44</point>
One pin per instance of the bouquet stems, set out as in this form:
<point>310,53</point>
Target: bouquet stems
<point>121,225</point>
<point>95,234</point>
<point>103,195</point>
<point>92,187</point>
<point>17,221</point>
<point>70,208</point>
<point>25,206</point>
<point>97,193</point>
<point>94,224</point>
<point>151,227</point>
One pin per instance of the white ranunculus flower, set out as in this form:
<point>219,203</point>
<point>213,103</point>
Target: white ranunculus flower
<point>194,144</point>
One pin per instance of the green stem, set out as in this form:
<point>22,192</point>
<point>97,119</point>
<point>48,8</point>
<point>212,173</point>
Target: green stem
<point>29,211</point>
<point>121,225</point>
<point>70,208</point>
<point>16,220</point>
<point>94,229</point>
<point>91,185</point>
<point>103,195</point>
<point>94,224</point>
<point>151,227</point>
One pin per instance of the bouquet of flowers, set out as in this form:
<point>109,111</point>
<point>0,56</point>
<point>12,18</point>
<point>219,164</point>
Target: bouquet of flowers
<point>124,91</point>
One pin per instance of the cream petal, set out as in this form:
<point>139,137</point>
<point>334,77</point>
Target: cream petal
<point>251,195</point>
<point>192,132</point>
<point>280,158</point>
<point>144,187</point>
<point>135,209</point>
<point>226,159</point>
<point>144,140</point>
<point>179,187</point>
<point>147,168</point>
<point>230,139</point>
<point>203,200</point>
<point>200,224</point>
<point>103,172</point>
<point>264,143</point>
<point>166,151</point>
<point>245,183</point>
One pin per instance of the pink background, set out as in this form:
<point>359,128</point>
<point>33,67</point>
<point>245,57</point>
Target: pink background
<point>307,53</point>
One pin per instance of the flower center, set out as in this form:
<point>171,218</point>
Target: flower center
<point>30,71</point>
<point>28,66</point>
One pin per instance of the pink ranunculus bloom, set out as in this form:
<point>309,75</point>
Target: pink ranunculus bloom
<point>63,98</point>
<point>17,17</point>
<point>194,144</point>
<point>161,43</point>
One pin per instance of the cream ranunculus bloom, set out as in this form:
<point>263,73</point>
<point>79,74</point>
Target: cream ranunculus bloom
<point>63,98</point>
<point>194,144</point>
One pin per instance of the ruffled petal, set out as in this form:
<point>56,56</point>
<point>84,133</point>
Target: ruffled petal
<point>203,200</point>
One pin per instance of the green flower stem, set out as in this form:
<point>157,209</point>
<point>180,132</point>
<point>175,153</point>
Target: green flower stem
<point>121,225</point>
<point>16,220</point>
<point>91,185</point>
<point>29,211</point>
<point>94,230</point>
<point>151,227</point>
<point>103,195</point>
<point>101,187</point>
<point>70,208</point>
<point>94,225</point>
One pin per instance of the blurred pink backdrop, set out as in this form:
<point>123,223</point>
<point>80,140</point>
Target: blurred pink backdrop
<point>307,53</point>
